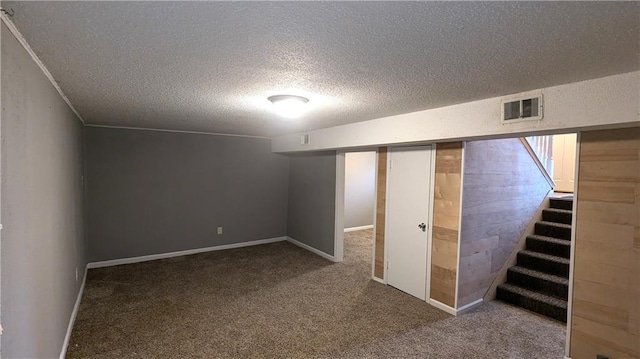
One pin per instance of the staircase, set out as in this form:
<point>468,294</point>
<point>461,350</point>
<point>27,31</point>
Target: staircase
<point>539,281</point>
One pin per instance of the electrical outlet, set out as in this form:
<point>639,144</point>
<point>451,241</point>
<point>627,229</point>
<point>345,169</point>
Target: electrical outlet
<point>219,230</point>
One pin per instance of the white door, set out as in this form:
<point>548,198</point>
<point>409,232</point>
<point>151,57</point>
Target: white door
<point>407,219</point>
<point>564,161</point>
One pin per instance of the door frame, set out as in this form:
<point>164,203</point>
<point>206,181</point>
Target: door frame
<point>382,280</point>
<point>432,174</point>
<point>338,230</point>
<point>432,190</point>
<point>572,256</point>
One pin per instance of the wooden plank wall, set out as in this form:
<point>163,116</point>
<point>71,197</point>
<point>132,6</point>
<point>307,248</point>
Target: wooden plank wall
<point>605,316</point>
<point>502,190</point>
<point>446,222</point>
<point>381,204</point>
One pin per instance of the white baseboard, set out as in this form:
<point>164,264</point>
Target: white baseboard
<point>378,280</point>
<point>152,257</point>
<point>452,310</point>
<point>72,319</point>
<point>311,249</point>
<point>442,306</point>
<point>466,308</point>
<point>360,228</point>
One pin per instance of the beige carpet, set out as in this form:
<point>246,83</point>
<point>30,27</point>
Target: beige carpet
<point>280,301</point>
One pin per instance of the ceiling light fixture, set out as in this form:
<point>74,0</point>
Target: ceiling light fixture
<point>289,106</point>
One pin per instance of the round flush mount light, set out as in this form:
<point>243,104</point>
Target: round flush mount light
<point>289,106</point>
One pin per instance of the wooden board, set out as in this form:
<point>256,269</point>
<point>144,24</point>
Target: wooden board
<point>381,204</point>
<point>446,222</point>
<point>605,316</point>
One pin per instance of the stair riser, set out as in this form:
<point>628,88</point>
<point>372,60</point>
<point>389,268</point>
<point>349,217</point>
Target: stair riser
<point>556,217</point>
<point>544,265</point>
<point>553,231</point>
<point>561,204</point>
<point>538,284</point>
<point>553,249</point>
<point>533,305</point>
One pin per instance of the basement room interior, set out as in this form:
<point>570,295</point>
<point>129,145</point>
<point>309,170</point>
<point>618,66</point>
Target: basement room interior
<point>319,179</point>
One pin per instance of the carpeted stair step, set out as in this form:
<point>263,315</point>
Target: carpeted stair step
<point>540,282</point>
<point>536,302</point>
<point>561,203</point>
<point>557,215</point>
<point>544,263</point>
<point>551,229</point>
<point>549,245</point>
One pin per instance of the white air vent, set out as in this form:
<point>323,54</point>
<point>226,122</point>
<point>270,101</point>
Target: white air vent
<point>522,107</point>
<point>304,139</point>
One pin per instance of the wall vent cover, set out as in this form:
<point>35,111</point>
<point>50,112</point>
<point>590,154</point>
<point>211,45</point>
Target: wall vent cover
<point>304,139</point>
<point>522,107</point>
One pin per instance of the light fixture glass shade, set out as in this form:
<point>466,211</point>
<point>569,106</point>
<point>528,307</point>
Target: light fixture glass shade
<point>288,106</point>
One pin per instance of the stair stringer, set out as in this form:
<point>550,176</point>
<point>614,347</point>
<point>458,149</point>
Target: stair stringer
<point>511,261</point>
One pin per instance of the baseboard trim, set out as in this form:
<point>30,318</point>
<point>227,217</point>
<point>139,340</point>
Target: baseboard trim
<point>451,310</point>
<point>152,257</point>
<point>360,228</point>
<point>311,249</point>
<point>468,307</point>
<point>442,306</point>
<point>72,319</point>
<point>378,280</point>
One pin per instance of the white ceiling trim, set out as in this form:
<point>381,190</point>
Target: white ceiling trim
<point>176,131</point>
<point>39,63</point>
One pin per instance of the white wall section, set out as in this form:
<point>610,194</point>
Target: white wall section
<point>359,189</point>
<point>606,102</point>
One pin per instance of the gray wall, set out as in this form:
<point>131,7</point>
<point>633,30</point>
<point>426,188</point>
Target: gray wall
<point>42,208</point>
<point>151,192</point>
<point>312,188</point>
<point>502,190</point>
<point>359,188</point>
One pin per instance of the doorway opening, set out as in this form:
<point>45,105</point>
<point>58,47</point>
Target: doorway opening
<point>518,211</point>
<point>564,162</point>
<point>359,203</point>
<point>556,154</point>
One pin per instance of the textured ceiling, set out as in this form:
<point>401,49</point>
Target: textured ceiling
<point>210,66</point>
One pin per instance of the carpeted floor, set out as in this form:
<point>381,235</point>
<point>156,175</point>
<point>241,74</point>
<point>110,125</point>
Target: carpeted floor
<point>280,301</point>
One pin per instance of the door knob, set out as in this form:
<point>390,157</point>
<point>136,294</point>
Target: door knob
<point>423,227</point>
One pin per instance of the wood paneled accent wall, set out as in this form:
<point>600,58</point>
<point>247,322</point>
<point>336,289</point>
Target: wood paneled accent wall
<point>446,222</point>
<point>503,188</point>
<point>605,316</point>
<point>381,204</point>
